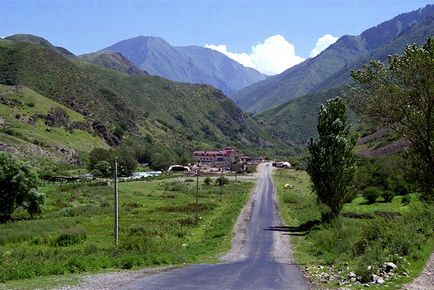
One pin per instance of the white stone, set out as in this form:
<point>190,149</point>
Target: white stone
<point>389,266</point>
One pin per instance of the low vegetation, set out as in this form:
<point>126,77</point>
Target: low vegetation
<point>361,241</point>
<point>74,233</point>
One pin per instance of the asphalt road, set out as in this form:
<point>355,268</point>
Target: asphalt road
<point>260,270</point>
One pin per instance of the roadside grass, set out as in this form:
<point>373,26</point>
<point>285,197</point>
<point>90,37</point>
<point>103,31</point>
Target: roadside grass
<point>370,234</point>
<point>156,227</point>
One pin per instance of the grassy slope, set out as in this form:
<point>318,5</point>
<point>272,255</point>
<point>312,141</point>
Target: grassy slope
<point>295,121</point>
<point>156,228</point>
<point>31,103</point>
<point>319,246</point>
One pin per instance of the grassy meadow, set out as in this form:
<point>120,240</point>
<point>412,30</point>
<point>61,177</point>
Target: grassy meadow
<point>156,227</point>
<point>370,235</point>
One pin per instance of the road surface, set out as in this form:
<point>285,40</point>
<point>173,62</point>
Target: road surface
<point>260,269</point>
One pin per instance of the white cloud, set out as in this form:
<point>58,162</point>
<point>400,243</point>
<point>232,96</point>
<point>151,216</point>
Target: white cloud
<point>322,43</point>
<point>272,56</point>
<point>242,58</point>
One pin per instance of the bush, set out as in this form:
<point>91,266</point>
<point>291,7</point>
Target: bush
<point>221,180</point>
<point>406,199</point>
<point>189,180</point>
<point>18,187</point>
<point>174,186</point>
<point>371,194</point>
<point>70,236</point>
<point>207,180</point>
<point>387,195</point>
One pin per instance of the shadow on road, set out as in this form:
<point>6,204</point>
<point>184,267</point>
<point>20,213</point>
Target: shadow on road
<point>300,230</point>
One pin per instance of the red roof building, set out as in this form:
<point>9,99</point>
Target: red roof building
<point>213,157</point>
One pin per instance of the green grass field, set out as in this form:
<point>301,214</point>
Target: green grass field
<point>156,227</point>
<point>406,240</point>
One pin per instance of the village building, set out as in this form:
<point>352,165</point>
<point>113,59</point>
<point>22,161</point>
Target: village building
<point>214,157</point>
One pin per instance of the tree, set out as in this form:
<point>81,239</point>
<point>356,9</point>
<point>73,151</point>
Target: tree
<point>331,164</point>
<point>103,160</point>
<point>18,187</point>
<point>400,95</point>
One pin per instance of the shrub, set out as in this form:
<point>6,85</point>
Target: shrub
<point>189,180</point>
<point>387,195</point>
<point>18,187</point>
<point>174,186</point>
<point>96,172</point>
<point>406,199</point>
<point>70,236</point>
<point>221,180</point>
<point>207,180</point>
<point>371,194</point>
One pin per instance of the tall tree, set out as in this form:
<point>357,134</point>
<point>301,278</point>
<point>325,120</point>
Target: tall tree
<point>331,164</point>
<point>18,187</point>
<point>400,95</point>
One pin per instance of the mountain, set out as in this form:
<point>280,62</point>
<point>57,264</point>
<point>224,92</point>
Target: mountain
<point>190,64</point>
<point>112,60</point>
<point>39,41</point>
<point>116,107</point>
<point>312,74</point>
<point>295,121</point>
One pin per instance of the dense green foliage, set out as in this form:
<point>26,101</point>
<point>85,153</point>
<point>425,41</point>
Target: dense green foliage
<point>102,160</point>
<point>384,177</point>
<point>157,227</point>
<point>331,164</point>
<point>401,96</point>
<point>18,187</point>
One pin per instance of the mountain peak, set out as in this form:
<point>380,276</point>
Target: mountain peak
<point>190,64</point>
<point>36,40</point>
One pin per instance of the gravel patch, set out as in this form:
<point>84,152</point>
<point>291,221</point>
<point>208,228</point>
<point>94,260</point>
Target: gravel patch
<point>426,280</point>
<point>113,280</point>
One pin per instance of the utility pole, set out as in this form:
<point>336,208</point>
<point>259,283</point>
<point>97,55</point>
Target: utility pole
<point>197,196</point>
<point>221,185</point>
<point>116,234</point>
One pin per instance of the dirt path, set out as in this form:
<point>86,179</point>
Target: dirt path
<point>426,280</point>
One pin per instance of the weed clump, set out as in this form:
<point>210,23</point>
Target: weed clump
<point>71,236</point>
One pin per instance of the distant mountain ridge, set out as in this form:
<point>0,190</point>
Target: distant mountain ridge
<point>295,120</point>
<point>113,60</point>
<point>309,76</point>
<point>190,64</point>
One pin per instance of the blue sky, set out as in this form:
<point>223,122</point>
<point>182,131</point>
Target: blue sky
<point>239,25</point>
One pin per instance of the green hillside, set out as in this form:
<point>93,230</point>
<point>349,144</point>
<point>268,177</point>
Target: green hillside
<point>295,121</point>
<point>117,106</point>
<point>28,129</point>
<point>112,60</point>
